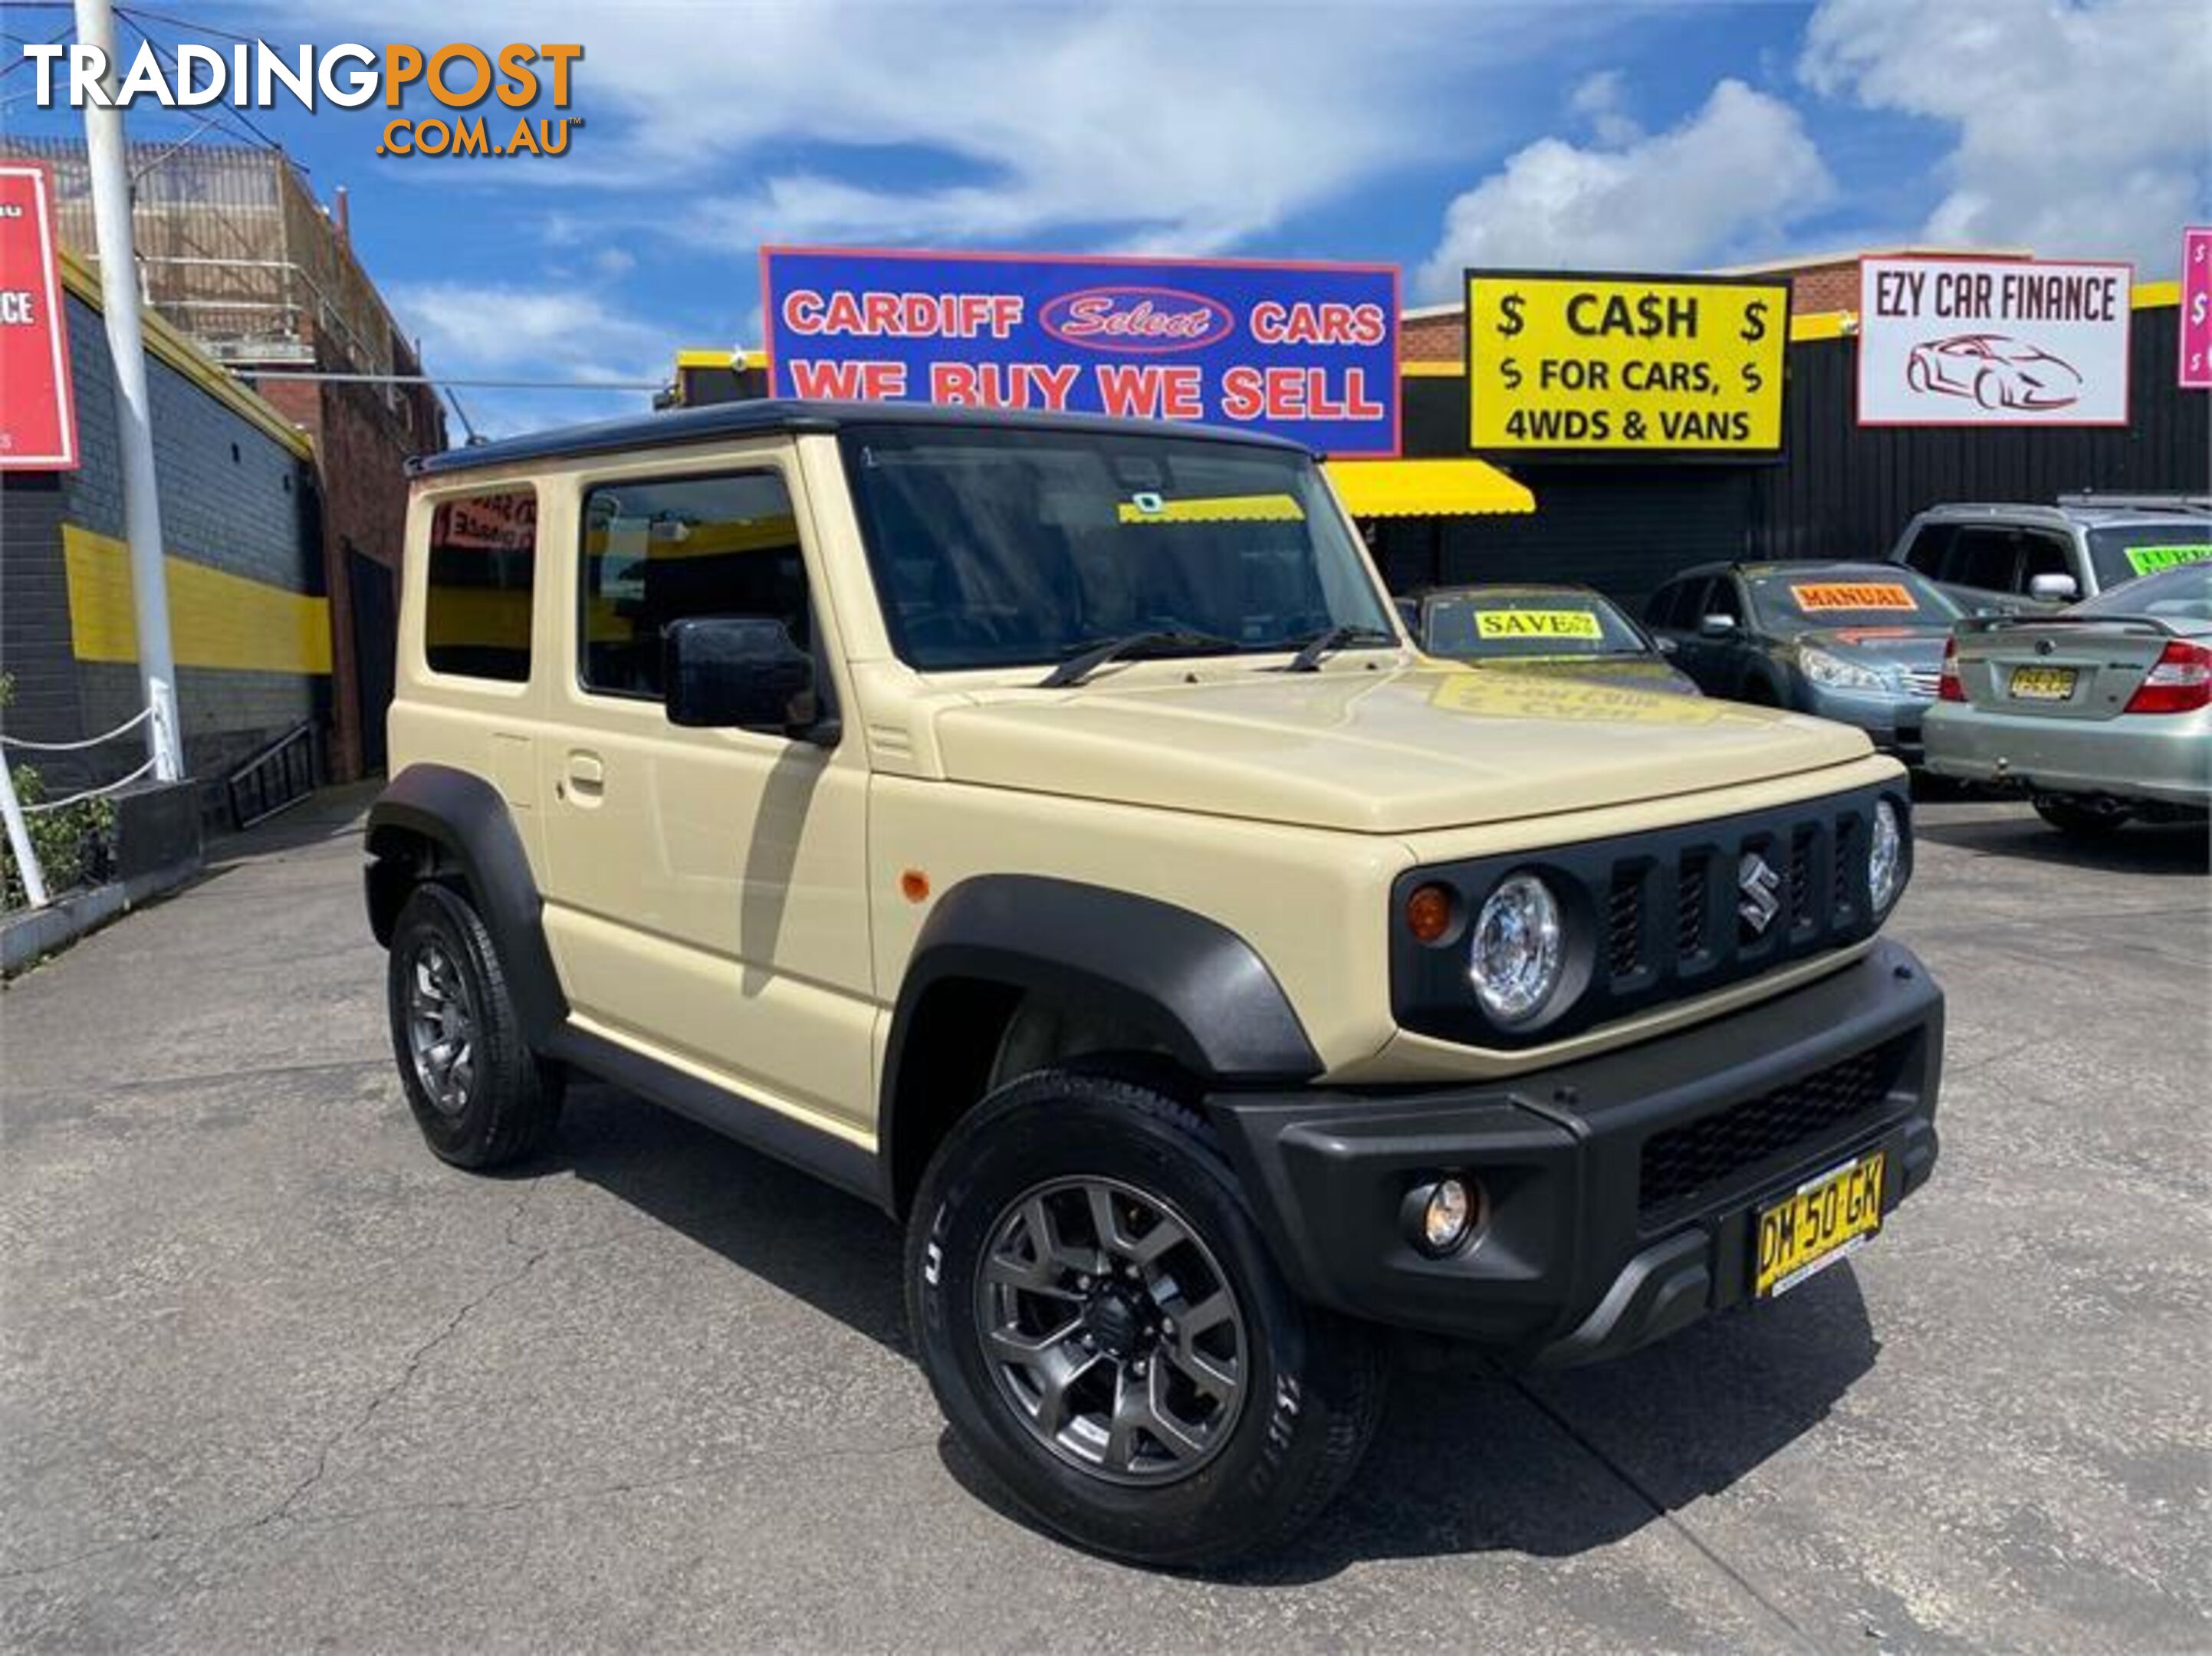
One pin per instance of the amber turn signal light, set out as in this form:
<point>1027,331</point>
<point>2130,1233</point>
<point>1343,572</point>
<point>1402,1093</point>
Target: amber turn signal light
<point>1429,912</point>
<point>914,885</point>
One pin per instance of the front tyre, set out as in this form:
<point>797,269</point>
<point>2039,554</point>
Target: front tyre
<point>1109,1336</point>
<point>480,1095</point>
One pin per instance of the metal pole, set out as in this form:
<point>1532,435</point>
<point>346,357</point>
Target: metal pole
<point>142,501</point>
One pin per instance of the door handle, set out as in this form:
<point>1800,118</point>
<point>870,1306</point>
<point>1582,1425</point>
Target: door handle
<point>587,774</point>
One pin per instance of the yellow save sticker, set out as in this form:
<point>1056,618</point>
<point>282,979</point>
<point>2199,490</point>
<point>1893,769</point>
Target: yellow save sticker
<point>1536,623</point>
<point>1853,595</point>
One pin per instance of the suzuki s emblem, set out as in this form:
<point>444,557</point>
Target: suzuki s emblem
<point>1761,886</point>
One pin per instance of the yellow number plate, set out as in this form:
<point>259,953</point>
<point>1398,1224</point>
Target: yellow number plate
<point>2041,683</point>
<point>1822,1221</point>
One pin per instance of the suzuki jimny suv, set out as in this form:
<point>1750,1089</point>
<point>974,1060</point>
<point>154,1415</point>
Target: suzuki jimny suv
<point>1042,828</point>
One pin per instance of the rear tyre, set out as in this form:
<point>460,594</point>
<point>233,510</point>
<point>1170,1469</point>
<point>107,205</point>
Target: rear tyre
<point>480,1095</point>
<point>2083,821</point>
<point>1109,1338</point>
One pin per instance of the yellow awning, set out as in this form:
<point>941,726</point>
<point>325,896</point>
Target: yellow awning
<point>1426,489</point>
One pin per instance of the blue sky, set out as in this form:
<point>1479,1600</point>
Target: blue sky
<point>1429,133</point>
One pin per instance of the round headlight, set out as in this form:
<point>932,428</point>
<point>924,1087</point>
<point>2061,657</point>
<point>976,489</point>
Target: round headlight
<point>1886,857</point>
<point>1515,950</point>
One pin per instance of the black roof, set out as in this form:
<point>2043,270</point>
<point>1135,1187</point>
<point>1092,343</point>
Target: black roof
<point>717,420</point>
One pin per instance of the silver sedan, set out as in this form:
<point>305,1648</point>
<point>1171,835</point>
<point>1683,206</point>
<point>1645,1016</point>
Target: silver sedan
<point>2100,713</point>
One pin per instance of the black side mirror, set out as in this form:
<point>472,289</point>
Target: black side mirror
<point>738,671</point>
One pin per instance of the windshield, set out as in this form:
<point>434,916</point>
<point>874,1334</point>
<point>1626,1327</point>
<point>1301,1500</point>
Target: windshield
<point>1790,600</point>
<point>2122,554</point>
<point>2182,594</point>
<point>998,547</point>
<point>1489,626</point>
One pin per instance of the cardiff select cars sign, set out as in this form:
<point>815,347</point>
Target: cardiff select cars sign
<point>1305,351</point>
<point>1625,366</point>
<point>1993,342</point>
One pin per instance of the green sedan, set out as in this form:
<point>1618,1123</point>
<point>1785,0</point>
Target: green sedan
<point>2101,713</point>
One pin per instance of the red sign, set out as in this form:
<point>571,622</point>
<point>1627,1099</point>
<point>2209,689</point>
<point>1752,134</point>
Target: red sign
<point>2196,309</point>
<point>37,416</point>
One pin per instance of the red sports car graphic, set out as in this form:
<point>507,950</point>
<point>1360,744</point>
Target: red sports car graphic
<point>1996,372</point>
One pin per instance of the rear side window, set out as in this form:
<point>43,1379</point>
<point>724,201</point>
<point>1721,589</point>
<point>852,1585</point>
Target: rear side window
<point>1928,548</point>
<point>482,563</point>
<point>1988,559</point>
<point>662,550</point>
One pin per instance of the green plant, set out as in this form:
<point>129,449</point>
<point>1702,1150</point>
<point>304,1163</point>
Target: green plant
<point>74,846</point>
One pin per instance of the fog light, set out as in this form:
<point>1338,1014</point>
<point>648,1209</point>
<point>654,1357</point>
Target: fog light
<point>1440,1215</point>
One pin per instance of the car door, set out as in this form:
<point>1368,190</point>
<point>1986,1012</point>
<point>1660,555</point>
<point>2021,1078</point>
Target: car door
<point>706,896</point>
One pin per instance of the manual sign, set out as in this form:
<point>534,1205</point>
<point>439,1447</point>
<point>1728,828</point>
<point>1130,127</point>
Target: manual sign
<point>1990,342</point>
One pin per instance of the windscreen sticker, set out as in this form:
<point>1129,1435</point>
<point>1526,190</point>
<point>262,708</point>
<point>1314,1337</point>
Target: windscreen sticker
<point>1497,693</point>
<point>1537,623</point>
<point>2149,559</point>
<point>1853,595</point>
<point>1145,507</point>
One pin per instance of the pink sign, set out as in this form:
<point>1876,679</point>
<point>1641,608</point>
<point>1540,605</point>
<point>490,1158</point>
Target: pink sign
<point>2196,309</point>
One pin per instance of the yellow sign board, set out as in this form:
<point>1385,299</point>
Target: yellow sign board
<point>1626,366</point>
<point>1537,623</point>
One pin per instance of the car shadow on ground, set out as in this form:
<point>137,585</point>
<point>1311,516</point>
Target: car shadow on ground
<point>1476,1460</point>
<point>2138,849</point>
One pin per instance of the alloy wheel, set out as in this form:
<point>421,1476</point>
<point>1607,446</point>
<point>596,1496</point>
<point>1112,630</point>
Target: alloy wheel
<point>441,1027</point>
<point>1112,1332</point>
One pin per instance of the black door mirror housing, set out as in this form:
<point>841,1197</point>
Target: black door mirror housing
<point>741,672</point>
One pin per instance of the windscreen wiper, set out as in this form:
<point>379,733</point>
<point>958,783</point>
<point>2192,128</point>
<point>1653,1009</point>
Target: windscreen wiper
<point>1309,657</point>
<point>1165,641</point>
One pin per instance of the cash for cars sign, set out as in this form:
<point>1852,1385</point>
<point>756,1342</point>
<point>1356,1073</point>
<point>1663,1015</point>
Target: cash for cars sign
<point>2196,309</point>
<point>1988,341</point>
<point>38,417</point>
<point>1305,351</point>
<point>1625,367</point>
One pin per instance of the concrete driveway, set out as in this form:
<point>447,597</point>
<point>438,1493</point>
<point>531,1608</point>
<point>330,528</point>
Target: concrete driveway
<point>270,1377</point>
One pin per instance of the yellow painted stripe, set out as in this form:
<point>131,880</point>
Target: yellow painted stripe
<point>1426,489</point>
<point>2148,295</point>
<point>1432,369</point>
<point>215,619</point>
<point>1819,324</point>
<point>164,343</point>
<point>699,359</point>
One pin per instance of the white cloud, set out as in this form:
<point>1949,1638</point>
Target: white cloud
<point>1193,125</point>
<point>502,331</point>
<point>2082,128</point>
<point>1725,182</point>
<point>1603,100</point>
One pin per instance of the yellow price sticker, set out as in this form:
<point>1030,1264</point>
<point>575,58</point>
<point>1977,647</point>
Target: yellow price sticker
<point>1537,623</point>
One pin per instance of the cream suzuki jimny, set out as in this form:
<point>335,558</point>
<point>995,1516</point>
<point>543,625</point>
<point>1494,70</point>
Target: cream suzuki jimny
<point>1042,828</point>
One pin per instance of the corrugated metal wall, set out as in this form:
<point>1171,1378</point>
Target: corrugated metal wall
<point>1839,492</point>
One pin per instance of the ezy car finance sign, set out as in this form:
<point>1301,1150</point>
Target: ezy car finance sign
<point>1993,342</point>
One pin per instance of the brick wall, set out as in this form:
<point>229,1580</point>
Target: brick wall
<point>232,498</point>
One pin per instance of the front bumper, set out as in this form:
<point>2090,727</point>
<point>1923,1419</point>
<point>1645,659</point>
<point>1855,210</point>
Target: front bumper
<point>2166,757</point>
<point>1620,1190</point>
<point>1891,723</point>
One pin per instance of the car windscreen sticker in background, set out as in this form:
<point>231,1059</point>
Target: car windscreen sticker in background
<point>2149,559</point>
<point>1537,623</point>
<point>1152,508</point>
<point>1483,694</point>
<point>1852,595</point>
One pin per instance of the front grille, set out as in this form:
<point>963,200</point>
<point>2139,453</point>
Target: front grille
<point>1691,901</point>
<point>1623,924</point>
<point>1661,915</point>
<point>1705,1155</point>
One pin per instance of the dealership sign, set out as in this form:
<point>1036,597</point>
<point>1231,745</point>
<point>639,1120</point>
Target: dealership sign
<point>1305,351</point>
<point>1625,367</point>
<point>38,417</point>
<point>1993,342</point>
<point>2196,309</point>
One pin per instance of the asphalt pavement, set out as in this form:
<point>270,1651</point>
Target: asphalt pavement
<point>272,1378</point>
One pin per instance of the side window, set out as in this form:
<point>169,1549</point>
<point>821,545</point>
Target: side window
<point>1667,608</point>
<point>661,551</point>
<point>1928,548</point>
<point>482,565</point>
<point>1721,599</point>
<point>2043,555</point>
<point>1984,558</point>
